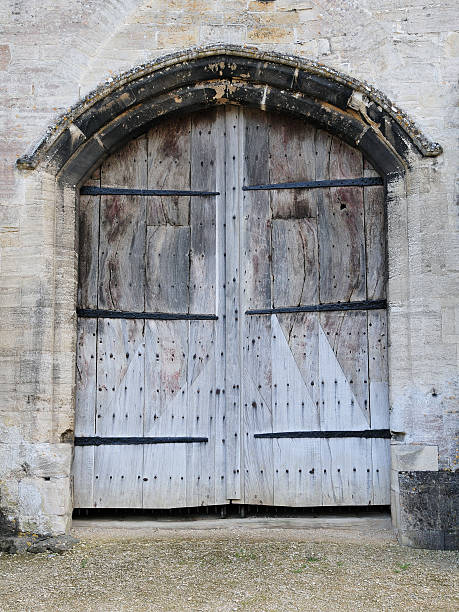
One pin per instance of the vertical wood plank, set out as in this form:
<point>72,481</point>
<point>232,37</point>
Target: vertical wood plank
<point>341,231</point>
<point>294,262</point>
<point>297,475</point>
<point>346,472</point>
<point>88,245</point>
<point>169,167</point>
<point>85,408</point>
<point>166,385</point>
<point>257,412</point>
<point>203,213</point>
<point>233,304</point>
<point>120,377</point>
<point>380,456</point>
<point>118,477</point>
<point>291,158</point>
<point>167,268</point>
<point>122,230</point>
<point>200,489</point>
<point>164,476</point>
<point>218,431</point>
<point>375,241</point>
<point>378,369</point>
<point>343,371</point>
<point>256,213</point>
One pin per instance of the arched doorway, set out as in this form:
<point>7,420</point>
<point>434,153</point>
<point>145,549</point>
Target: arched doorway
<point>232,331</point>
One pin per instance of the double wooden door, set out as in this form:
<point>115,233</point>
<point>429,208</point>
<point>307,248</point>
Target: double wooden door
<point>232,339</point>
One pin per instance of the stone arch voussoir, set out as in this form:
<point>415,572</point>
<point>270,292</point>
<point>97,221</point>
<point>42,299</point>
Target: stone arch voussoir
<point>202,78</point>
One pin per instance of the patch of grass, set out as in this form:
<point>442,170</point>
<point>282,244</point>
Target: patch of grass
<point>401,567</point>
<point>246,556</point>
<point>84,562</point>
<point>304,566</point>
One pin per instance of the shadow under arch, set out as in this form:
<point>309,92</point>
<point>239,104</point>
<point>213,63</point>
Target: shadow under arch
<point>222,74</point>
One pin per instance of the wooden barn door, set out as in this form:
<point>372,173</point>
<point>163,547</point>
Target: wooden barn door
<point>231,331</point>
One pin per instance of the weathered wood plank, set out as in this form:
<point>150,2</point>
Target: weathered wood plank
<point>164,476</point>
<point>166,386</point>
<point>256,213</point>
<point>375,241</point>
<point>343,371</point>
<point>342,262</point>
<point>380,455</point>
<point>257,412</point>
<point>167,269</point>
<point>302,333</point>
<point>233,306</point>
<point>291,158</point>
<point>83,477</point>
<point>86,377</point>
<point>118,476</point>
<point>297,474</point>
<point>378,369</point>
<point>120,377</point>
<point>122,230</point>
<point>204,135</point>
<point>292,404</point>
<point>217,433</point>
<point>88,246</point>
<point>169,167</point>
<point>200,489</point>
<point>294,262</point>
<point>346,466</point>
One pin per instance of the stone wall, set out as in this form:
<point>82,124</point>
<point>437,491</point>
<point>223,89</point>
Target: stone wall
<point>53,53</point>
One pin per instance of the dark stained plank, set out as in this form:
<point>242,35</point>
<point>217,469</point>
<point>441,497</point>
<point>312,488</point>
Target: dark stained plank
<point>378,369</point>
<point>88,246</point>
<point>341,230</point>
<point>169,166</point>
<point>167,268</point>
<point>256,229</point>
<point>375,239</point>
<point>122,230</point>
<point>291,158</point>
<point>294,262</point>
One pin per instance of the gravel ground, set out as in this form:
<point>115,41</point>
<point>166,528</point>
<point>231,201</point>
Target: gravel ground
<point>231,569</point>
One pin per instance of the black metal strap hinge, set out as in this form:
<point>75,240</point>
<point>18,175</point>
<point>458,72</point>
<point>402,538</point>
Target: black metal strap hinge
<point>143,192</point>
<point>355,182</point>
<point>338,306</point>
<point>367,433</point>
<point>89,313</point>
<point>110,441</point>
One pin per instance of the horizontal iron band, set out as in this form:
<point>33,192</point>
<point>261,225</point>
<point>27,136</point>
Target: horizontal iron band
<point>99,441</point>
<point>89,313</point>
<point>367,433</point>
<point>339,306</point>
<point>355,182</point>
<point>144,192</point>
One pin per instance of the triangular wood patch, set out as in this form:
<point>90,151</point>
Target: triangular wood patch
<point>293,406</point>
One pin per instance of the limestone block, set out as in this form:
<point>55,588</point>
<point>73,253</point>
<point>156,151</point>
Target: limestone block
<point>414,457</point>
